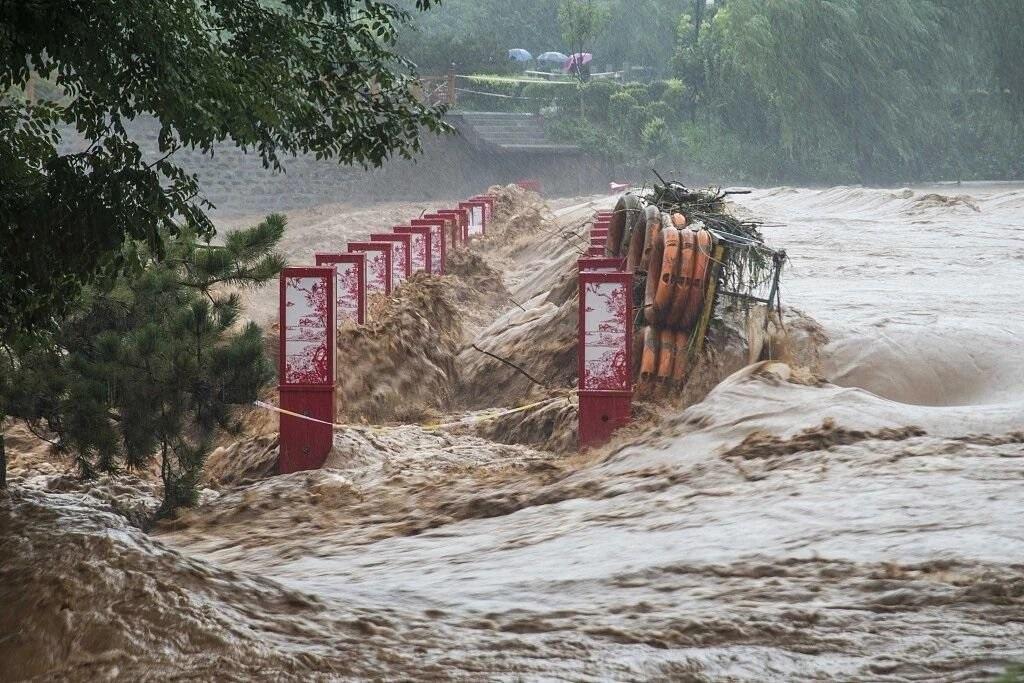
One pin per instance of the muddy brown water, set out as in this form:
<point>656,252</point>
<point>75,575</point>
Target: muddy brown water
<point>867,528</point>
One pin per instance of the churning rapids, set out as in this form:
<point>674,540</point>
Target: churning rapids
<point>863,528</point>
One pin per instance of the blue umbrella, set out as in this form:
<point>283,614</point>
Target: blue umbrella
<point>556,57</point>
<point>519,55</point>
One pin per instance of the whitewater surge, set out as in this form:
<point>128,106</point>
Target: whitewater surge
<point>859,525</point>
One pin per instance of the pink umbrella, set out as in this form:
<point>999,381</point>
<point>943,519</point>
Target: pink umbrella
<point>577,60</point>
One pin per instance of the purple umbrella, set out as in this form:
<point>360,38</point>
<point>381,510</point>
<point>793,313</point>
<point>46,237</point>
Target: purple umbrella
<point>577,60</point>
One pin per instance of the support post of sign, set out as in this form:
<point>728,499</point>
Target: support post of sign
<point>306,366</point>
<point>605,354</point>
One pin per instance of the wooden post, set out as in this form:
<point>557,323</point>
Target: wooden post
<point>451,86</point>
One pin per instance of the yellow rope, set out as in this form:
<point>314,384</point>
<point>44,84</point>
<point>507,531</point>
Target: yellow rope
<point>428,427</point>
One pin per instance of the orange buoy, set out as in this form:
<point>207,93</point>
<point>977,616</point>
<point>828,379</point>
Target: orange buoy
<point>633,247</point>
<point>680,284</point>
<point>666,353</point>
<point>669,270</point>
<point>681,344</point>
<point>653,221</point>
<point>657,248</point>
<point>679,220</point>
<point>649,364</point>
<point>637,354</point>
<point>698,285</point>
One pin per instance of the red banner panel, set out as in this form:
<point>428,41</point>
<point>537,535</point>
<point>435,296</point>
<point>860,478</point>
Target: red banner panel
<point>351,289</point>
<point>605,349</point>
<point>306,365</point>
<point>438,241</point>
<point>379,271</point>
<point>421,244</point>
<point>457,222</point>
<point>307,325</point>
<point>478,217</point>
<point>488,201</point>
<point>402,265</point>
<point>601,264</point>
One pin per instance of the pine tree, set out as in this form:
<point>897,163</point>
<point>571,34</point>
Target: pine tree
<point>151,364</point>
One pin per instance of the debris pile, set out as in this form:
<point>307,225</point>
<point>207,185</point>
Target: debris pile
<point>401,365</point>
<point>686,251</point>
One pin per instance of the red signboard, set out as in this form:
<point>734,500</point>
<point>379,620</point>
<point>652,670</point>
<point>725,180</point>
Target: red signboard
<point>488,201</point>
<point>402,265</point>
<point>478,217</point>
<point>307,338</point>
<point>438,242</point>
<point>469,208</point>
<point>601,264</point>
<point>605,349</point>
<point>421,245</point>
<point>306,367</point>
<point>379,273</point>
<point>351,279</point>
<point>457,224</point>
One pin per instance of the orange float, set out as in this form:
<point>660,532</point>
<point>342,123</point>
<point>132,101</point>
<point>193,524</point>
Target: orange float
<point>627,218</point>
<point>698,284</point>
<point>649,364</point>
<point>653,220</point>
<point>681,345</point>
<point>657,248</point>
<point>680,283</point>
<point>679,220</point>
<point>669,271</point>
<point>633,250</point>
<point>666,353</point>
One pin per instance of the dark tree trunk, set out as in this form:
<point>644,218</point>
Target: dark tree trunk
<point>698,18</point>
<point>3,463</point>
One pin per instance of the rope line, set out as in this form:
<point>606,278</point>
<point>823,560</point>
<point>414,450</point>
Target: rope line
<point>487,416</point>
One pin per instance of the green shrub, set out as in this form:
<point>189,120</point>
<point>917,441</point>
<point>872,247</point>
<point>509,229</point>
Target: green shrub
<point>619,106</point>
<point>638,117</point>
<point>637,90</point>
<point>655,137</point>
<point>543,94</point>
<point>596,96</point>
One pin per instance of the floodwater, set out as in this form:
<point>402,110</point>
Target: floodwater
<point>867,527</point>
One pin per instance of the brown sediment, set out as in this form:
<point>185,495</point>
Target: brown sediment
<point>401,364</point>
<point>780,527</point>
<point>820,438</point>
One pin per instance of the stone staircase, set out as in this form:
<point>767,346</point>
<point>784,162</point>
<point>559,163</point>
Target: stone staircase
<point>506,132</point>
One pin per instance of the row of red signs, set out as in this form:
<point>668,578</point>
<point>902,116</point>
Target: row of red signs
<point>378,264</point>
<point>315,299</point>
<point>605,339</point>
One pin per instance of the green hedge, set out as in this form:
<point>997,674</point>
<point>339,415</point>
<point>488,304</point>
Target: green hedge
<point>540,93</point>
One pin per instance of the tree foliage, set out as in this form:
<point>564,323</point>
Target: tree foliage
<point>276,78</point>
<point>151,363</point>
<point>835,91</point>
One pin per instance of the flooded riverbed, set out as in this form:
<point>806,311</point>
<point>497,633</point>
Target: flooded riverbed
<point>867,527</point>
